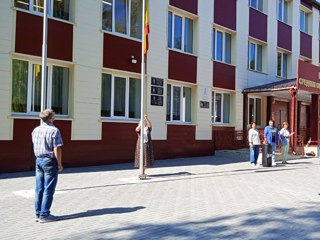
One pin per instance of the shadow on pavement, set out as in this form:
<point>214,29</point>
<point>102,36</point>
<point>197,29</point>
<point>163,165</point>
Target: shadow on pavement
<point>271,223</point>
<point>103,211</point>
<point>180,176</point>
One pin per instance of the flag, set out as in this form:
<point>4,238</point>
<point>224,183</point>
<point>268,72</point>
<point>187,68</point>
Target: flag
<point>146,29</point>
<point>38,71</point>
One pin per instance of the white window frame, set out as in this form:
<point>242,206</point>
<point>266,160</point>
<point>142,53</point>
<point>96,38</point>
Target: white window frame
<point>255,109</point>
<point>182,104</point>
<point>285,4</point>
<point>48,85</point>
<point>214,45</point>
<point>49,10</point>
<point>128,22</point>
<point>257,8</point>
<point>173,14</point>
<point>127,78</point>
<point>282,64</point>
<point>255,57</point>
<point>306,22</point>
<point>222,107</point>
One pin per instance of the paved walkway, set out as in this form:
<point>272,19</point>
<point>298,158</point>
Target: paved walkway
<point>220,197</point>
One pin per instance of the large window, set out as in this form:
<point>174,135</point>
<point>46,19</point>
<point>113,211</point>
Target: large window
<point>303,21</point>
<point>221,46</point>
<point>178,103</point>
<point>282,62</point>
<point>257,4</point>
<point>255,110</point>
<point>26,88</point>
<point>255,57</point>
<point>283,11</point>
<point>180,32</point>
<point>120,97</point>
<point>122,16</point>
<point>56,8</point>
<point>220,107</point>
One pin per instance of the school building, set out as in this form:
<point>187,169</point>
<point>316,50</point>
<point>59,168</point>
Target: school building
<point>212,67</point>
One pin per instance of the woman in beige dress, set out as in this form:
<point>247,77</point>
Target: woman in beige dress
<point>147,148</point>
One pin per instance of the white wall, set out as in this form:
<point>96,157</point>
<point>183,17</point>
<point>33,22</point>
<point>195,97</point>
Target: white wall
<point>87,55</point>
<point>7,23</point>
<point>315,37</point>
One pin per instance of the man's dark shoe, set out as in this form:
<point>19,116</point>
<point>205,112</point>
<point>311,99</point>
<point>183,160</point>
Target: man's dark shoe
<point>49,218</point>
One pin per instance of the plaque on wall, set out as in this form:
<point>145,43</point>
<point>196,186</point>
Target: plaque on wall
<point>157,90</point>
<point>204,104</point>
<point>156,81</point>
<point>156,100</point>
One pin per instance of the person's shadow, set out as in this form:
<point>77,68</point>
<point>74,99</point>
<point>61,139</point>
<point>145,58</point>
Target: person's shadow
<point>99,212</point>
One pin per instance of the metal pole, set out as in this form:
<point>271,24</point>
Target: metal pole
<point>141,165</point>
<point>44,57</point>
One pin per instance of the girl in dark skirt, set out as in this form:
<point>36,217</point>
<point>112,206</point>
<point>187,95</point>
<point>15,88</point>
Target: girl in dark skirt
<point>147,148</point>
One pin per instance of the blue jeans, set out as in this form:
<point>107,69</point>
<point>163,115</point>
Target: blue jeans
<point>254,153</point>
<point>46,181</point>
<point>274,149</point>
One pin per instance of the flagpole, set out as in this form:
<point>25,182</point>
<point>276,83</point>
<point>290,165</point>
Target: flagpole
<point>141,165</point>
<point>44,56</point>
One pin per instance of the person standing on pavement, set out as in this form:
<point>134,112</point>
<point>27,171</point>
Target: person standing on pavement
<point>285,141</point>
<point>47,143</point>
<point>254,143</point>
<point>147,148</point>
<point>271,136</point>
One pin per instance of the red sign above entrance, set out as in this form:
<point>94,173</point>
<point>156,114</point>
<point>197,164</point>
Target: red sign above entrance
<point>308,78</point>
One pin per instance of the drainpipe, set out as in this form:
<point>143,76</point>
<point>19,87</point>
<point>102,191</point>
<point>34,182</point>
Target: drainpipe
<point>293,93</point>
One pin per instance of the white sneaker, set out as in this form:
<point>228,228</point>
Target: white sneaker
<point>253,165</point>
<point>274,164</point>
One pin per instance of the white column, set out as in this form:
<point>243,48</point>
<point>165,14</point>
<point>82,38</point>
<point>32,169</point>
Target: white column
<point>315,36</point>
<point>295,37</point>
<point>157,64</point>
<point>88,50</point>
<point>7,23</point>
<point>271,57</point>
<point>203,30</point>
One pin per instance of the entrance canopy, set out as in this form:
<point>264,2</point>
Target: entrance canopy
<point>279,89</point>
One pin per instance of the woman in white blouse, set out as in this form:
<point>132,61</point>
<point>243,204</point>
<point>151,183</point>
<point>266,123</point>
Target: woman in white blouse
<point>285,141</point>
<point>254,143</point>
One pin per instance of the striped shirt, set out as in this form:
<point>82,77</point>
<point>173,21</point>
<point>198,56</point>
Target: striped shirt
<point>45,138</point>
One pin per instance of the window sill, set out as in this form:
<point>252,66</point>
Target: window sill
<point>255,71</point>
<point>119,120</point>
<point>180,123</point>
<point>230,64</point>
<point>36,116</point>
<point>121,35</point>
<point>41,15</point>
<point>180,51</point>
<point>288,24</point>
<point>221,125</point>
<point>258,10</point>
<point>310,35</point>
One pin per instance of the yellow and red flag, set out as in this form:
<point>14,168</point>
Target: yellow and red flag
<point>146,29</point>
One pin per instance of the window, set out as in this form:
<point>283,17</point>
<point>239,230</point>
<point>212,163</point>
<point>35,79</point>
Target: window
<point>180,33</point>
<point>282,64</point>
<point>303,21</point>
<point>178,103</point>
<point>56,8</point>
<point>255,110</point>
<point>283,11</point>
<point>221,49</point>
<point>220,107</point>
<point>120,97</point>
<point>255,57</point>
<point>257,4</point>
<point>122,16</point>
<point>26,88</point>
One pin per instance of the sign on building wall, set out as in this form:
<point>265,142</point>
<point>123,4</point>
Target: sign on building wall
<point>157,91</point>
<point>204,98</point>
<point>308,78</point>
